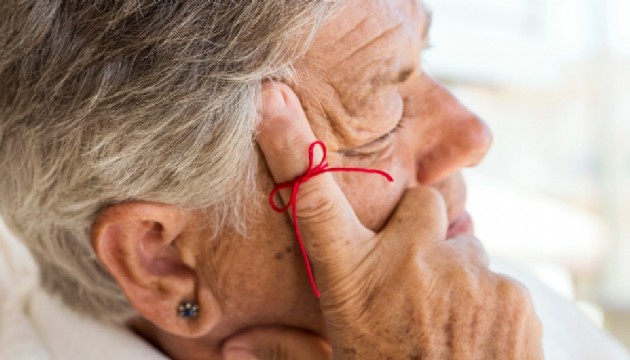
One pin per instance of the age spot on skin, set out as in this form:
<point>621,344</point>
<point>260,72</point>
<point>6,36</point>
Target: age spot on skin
<point>279,255</point>
<point>350,353</point>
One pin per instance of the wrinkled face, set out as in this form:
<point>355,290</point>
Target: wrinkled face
<point>368,98</point>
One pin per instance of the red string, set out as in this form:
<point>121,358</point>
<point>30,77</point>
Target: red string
<point>311,172</point>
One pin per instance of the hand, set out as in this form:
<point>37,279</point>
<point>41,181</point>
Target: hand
<point>406,292</point>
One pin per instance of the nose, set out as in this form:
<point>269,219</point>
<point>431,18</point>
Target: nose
<point>458,138</point>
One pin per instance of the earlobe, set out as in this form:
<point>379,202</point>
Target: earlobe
<point>148,247</point>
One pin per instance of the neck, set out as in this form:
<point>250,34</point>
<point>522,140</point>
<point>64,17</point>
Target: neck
<point>176,347</point>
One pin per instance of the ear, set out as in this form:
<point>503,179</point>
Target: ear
<point>149,249</point>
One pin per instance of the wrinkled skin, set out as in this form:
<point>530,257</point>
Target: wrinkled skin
<point>400,272</point>
<point>407,292</point>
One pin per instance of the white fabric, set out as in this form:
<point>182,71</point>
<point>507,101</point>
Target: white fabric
<point>35,326</point>
<point>568,334</point>
<point>49,330</point>
<point>18,338</point>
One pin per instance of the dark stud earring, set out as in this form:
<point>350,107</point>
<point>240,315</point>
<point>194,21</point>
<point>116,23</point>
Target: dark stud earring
<point>188,310</point>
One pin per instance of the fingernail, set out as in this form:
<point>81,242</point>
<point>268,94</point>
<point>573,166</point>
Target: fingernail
<point>273,101</point>
<point>239,354</point>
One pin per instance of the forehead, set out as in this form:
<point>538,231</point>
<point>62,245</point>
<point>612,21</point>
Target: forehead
<point>359,55</point>
<point>372,29</point>
<point>357,18</point>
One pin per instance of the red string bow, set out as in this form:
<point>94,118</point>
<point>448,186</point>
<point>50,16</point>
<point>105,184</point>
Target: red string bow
<point>295,184</point>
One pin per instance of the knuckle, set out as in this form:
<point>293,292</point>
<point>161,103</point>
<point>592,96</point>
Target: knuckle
<point>470,249</point>
<point>518,306</point>
<point>315,204</point>
<point>513,292</point>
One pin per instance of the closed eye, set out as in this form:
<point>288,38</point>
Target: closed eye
<point>386,136</point>
<point>374,145</point>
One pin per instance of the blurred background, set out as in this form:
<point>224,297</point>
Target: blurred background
<point>552,79</point>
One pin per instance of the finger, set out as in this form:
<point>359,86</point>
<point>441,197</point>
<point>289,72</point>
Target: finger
<point>419,220</point>
<point>470,249</point>
<point>327,222</point>
<point>276,343</point>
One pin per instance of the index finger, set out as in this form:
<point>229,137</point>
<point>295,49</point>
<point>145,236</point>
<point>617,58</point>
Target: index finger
<point>328,224</point>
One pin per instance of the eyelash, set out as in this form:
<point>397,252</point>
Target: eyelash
<point>357,153</point>
<point>398,126</point>
<point>393,131</point>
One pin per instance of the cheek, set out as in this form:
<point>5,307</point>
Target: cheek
<point>260,279</point>
<point>372,197</point>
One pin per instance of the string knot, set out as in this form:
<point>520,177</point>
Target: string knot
<point>311,172</point>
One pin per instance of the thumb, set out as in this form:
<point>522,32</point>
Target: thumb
<point>420,219</point>
<point>276,343</point>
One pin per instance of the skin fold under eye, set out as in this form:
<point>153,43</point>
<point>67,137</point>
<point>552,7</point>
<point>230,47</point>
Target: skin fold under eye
<point>376,146</point>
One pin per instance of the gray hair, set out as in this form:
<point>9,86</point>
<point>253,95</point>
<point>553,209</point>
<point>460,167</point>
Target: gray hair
<point>103,102</point>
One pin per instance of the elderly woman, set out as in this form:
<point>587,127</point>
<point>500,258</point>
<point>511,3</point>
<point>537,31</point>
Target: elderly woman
<point>139,143</point>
